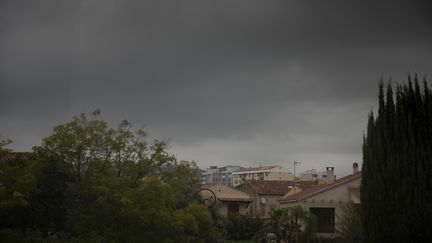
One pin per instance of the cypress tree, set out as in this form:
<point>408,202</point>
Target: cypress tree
<point>397,165</point>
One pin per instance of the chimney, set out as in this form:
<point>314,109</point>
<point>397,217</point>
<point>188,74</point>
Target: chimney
<point>330,178</point>
<point>355,168</point>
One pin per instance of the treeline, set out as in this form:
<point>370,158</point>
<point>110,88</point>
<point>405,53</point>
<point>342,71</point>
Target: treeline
<point>88,182</point>
<point>396,189</point>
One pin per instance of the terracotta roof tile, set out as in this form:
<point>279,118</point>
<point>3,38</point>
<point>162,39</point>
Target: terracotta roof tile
<point>270,187</point>
<point>319,188</point>
<point>225,193</point>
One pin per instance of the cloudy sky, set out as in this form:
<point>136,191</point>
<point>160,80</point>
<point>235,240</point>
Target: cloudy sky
<point>243,82</point>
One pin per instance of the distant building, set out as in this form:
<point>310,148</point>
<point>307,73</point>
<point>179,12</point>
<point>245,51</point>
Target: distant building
<point>211,175</point>
<point>226,174</point>
<point>274,173</point>
<point>320,177</point>
<point>215,175</point>
<point>312,175</point>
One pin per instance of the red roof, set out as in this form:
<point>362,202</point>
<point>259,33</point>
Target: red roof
<point>320,188</point>
<point>270,187</point>
<point>225,193</point>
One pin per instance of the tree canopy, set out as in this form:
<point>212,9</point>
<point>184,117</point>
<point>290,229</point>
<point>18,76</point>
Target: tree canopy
<point>396,185</point>
<point>89,182</point>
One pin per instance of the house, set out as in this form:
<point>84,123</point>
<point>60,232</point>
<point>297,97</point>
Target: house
<point>229,201</point>
<point>274,173</point>
<point>326,201</point>
<point>266,193</point>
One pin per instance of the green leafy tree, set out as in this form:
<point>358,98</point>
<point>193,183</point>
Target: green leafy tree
<point>241,227</point>
<point>120,187</point>
<point>185,180</point>
<point>397,166</point>
<point>291,224</point>
<point>89,182</point>
<point>52,196</point>
<point>16,183</point>
<point>3,149</point>
<point>90,146</point>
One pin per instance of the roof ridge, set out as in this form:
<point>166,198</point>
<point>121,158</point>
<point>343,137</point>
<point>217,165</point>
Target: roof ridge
<point>320,188</point>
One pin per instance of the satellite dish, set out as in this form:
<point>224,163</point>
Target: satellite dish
<point>263,200</point>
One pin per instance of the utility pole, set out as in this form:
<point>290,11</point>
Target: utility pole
<point>295,182</point>
<point>295,188</point>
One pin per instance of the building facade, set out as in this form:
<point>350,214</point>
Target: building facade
<point>321,177</point>
<point>312,175</point>
<point>215,175</point>
<point>264,173</point>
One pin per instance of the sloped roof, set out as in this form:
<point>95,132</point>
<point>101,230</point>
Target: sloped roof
<point>319,189</point>
<point>225,193</point>
<point>256,168</point>
<point>271,187</point>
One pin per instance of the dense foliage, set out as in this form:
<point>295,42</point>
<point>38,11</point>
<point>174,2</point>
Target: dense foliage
<point>89,182</point>
<point>397,166</point>
<point>291,224</point>
<point>241,227</point>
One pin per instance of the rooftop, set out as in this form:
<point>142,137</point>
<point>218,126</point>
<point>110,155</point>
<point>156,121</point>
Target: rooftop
<point>225,193</point>
<point>319,188</point>
<point>271,187</point>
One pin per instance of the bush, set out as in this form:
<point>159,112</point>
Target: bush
<point>241,227</point>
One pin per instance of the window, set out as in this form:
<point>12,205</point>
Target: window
<point>326,219</point>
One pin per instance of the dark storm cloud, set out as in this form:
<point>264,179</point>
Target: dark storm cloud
<point>226,81</point>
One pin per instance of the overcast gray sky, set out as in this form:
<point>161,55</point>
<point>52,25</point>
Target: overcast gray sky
<point>243,82</point>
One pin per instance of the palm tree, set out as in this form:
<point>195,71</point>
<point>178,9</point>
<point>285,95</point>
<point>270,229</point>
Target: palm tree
<point>291,224</point>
